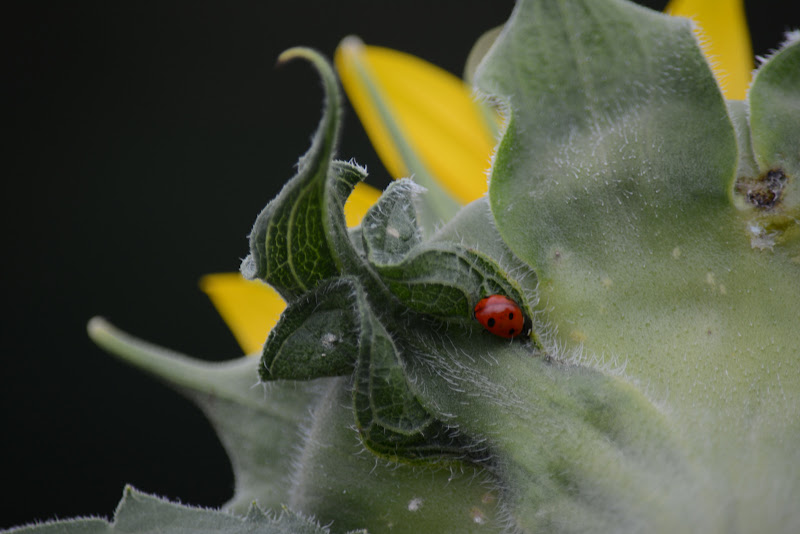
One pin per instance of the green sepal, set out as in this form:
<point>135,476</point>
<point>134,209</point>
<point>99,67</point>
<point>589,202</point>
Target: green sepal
<point>266,430</point>
<point>443,279</point>
<point>739,111</point>
<point>577,449</point>
<point>765,195</point>
<point>614,182</point>
<point>474,229</point>
<point>345,175</point>
<point>260,428</point>
<point>390,229</point>
<point>615,122</point>
<point>300,238</point>
<point>775,125</point>
<point>401,498</point>
<point>447,280</point>
<point>139,513</point>
<point>390,418</point>
<point>316,336</point>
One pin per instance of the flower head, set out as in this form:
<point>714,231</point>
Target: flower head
<point>426,123</point>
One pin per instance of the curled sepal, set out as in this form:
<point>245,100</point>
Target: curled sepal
<point>345,175</point>
<point>390,228</point>
<point>389,417</point>
<point>296,240</point>
<point>317,335</point>
<point>447,280</point>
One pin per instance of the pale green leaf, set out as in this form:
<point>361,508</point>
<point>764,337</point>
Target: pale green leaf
<point>339,481</point>
<point>139,513</point>
<point>616,181</point>
<point>578,449</point>
<point>260,427</point>
<point>620,119</point>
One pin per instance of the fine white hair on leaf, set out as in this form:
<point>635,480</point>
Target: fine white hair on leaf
<point>359,167</point>
<point>307,430</point>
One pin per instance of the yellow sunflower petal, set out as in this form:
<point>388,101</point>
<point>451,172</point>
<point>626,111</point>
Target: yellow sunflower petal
<point>418,114</point>
<point>361,199</point>
<point>250,308</point>
<point>723,30</point>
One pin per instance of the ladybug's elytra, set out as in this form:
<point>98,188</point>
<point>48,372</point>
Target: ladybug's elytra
<point>501,316</point>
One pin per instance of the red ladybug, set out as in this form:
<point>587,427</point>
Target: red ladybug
<point>501,316</point>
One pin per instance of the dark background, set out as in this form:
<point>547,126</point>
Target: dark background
<point>142,138</point>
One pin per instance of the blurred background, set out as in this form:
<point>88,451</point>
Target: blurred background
<point>142,139</point>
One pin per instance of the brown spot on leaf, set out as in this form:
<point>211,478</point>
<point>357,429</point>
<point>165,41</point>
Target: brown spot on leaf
<point>765,191</point>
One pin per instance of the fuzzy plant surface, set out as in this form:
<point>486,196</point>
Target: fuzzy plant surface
<point>647,229</point>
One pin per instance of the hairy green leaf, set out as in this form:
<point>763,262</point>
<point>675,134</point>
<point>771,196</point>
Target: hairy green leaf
<point>474,229</point>
<point>260,428</point>
<point>621,122</point>
<point>293,443</point>
<point>65,526</point>
<point>385,497</point>
<point>775,124</point>
<point>390,227</point>
<point>579,449</point>
<point>444,278</point>
<point>739,112</point>
<point>389,416</point>
<point>317,335</point>
<point>300,237</point>
<point>139,513</point>
<point>447,280</point>
<point>616,180</point>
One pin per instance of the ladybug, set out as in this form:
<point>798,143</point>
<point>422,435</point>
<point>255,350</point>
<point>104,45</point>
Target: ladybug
<point>501,316</point>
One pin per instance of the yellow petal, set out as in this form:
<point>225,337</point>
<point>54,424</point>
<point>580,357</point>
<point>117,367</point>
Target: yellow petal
<point>726,41</point>
<point>361,199</point>
<point>418,114</point>
<point>250,308</point>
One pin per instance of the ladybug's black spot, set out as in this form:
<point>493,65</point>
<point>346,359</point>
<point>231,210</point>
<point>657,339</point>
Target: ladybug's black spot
<point>511,332</point>
<point>490,322</point>
<point>511,315</point>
